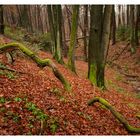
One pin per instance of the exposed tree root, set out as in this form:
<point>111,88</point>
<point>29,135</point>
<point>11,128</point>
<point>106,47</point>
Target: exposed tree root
<point>3,67</point>
<point>39,61</point>
<point>125,123</point>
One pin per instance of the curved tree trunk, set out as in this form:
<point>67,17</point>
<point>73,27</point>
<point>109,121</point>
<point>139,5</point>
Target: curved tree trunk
<point>118,116</point>
<point>39,61</point>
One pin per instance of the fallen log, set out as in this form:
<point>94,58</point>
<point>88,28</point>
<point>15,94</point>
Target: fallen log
<point>39,61</point>
<point>118,116</point>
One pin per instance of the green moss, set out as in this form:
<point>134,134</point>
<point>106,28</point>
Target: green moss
<point>118,77</point>
<point>92,74</point>
<point>2,100</point>
<point>17,99</point>
<point>138,116</point>
<point>53,125</point>
<point>118,116</point>
<point>132,105</point>
<point>39,61</point>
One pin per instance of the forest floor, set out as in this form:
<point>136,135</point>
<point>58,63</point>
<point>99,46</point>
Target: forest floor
<point>35,102</point>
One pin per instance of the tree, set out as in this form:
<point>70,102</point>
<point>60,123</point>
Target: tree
<point>85,30</point>
<point>55,23</point>
<point>132,19</point>
<point>113,26</point>
<point>58,50</point>
<point>98,43</point>
<point>52,30</point>
<point>128,15</point>
<point>137,24</point>
<point>74,27</point>
<point>1,20</point>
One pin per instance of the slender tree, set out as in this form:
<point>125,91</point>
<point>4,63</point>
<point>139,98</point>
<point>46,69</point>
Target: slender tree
<point>132,19</point>
<point>128,15</point>
<point>71,53</point>
<point>85,30</point>
<point>58,51</point>
<point>113,26</point>
<point>137,24</point>
<point>1,20</point>
<point>55,22</point>
<point>52,30</point>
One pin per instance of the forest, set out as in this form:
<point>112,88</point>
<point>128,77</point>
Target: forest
<point>70,69</point>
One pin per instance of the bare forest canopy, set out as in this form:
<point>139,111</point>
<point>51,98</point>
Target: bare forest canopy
<point>34,17</point>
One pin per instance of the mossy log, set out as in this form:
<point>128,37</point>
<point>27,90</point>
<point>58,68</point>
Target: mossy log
<point>118,116</point>
<point>39,61</point>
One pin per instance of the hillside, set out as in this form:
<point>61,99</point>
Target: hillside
<point>35,102</point>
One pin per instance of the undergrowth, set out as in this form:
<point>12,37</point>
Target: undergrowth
<point>36,115</point>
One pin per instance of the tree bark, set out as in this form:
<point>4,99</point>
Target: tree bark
<point>116,114</point>
<point>1,20</point>
<point>137,24</point>
<point>98,43</point>
<point>132,19</point>
<point>52,30</point>
<point>94,41</point>
<point>71,53</point>
<point>59,35</point>
<point>85,30</point>
<point>113,26</point>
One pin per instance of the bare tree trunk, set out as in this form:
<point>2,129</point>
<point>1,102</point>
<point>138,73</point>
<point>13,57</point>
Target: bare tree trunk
<point>68,18</point>
<point>133,43</point>
<point>51,25</point>
<point>65,47</point>
<point>71,53</point>
<point>1,20</point>
<point>128,15</point>
<point>137,24</point>
<point>85,30</point>
<point>113,26</point>
<point>119,15</point>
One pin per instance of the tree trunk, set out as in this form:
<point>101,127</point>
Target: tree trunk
<point>137,24</point>
<point>116,114</point>
<point>68,18</point>
<point>1,20</point>
<point>119,15</point>
<point>85,30</point>
<point>71,53</point>
<point>65,47</point>
<point>59,35</point>
<point>52,30</point>
<point>128,15</point>
<point>104,45</point>
<point>98,43</point>
<point>133,42</point>
<point>40,62</point>
<point>94,41</point>
<point>113,26</point>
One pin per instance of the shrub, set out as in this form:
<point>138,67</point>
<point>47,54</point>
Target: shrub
<point>123,33</point>
<point>45,41</point>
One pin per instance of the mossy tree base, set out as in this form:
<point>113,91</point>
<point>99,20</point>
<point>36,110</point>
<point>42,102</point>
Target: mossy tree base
<point>39,61</point>
<point>118,116</point>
